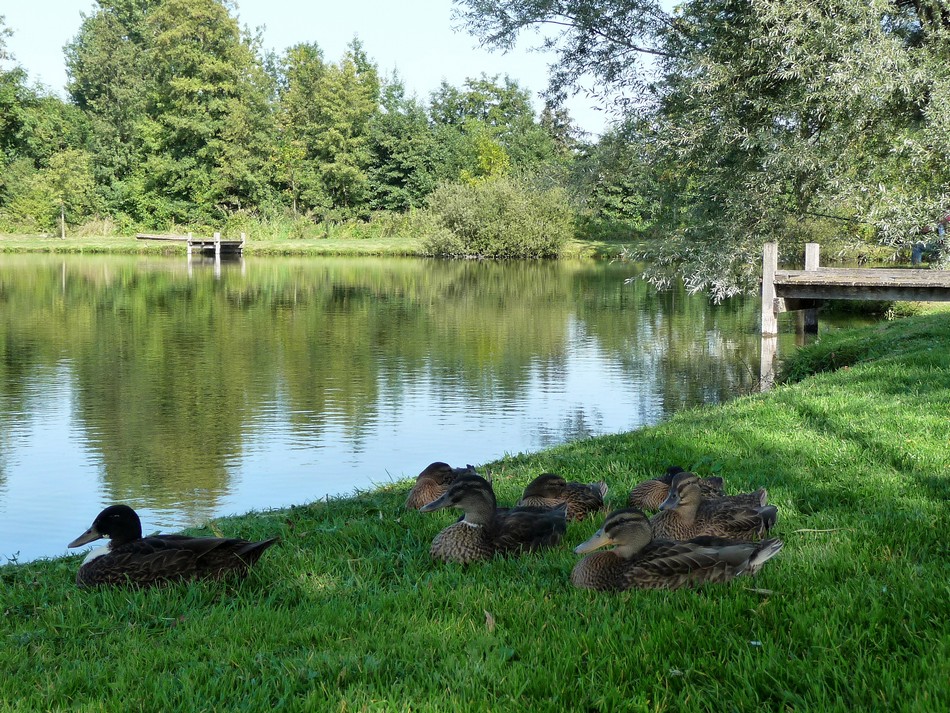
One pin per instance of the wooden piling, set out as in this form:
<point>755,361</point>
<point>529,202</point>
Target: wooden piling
<point>769,268</point>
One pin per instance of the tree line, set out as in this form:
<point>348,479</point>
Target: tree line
<point>737,122</point>
<point>176,116</point>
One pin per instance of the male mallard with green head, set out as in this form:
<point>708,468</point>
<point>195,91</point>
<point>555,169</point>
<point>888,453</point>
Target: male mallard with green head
<point>485,531</point>
<point>638,561</point>
<point>130,559</point>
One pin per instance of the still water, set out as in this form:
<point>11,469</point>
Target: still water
<point>190,392</point>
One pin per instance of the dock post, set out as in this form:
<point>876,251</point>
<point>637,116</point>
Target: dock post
<point>811,265</point>
<point>769,266</point>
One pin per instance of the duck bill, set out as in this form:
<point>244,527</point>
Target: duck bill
<point>89,535</point>
<point>436,504</point>
<point>600,539</point>
<point>672,500</point>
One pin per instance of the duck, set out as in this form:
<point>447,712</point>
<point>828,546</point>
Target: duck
<point>485,531</point>
<point>650,494</point>
<point>433,481</point>
<point>640,561</point>
<point>549,491</point>
<point>133,560</point>
<point>686,513</point>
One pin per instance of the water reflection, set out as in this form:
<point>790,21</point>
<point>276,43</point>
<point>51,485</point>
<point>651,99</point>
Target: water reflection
<point>190,394</point>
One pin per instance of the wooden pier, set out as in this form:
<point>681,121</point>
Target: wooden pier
<point>792,290</point>
<point>206,246</point>
<point>788,290</point>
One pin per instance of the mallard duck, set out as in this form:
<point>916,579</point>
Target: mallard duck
<point>641,562</point>
<point>130,559</point>
<point>686,514</point>
<point>432,483</point>
<point>549,491</point>
<point>485,531</point>
<point>650,494</point>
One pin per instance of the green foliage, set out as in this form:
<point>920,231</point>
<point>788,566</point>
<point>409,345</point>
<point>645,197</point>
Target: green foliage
<point>499,218</point>
<point>405,153</point>
<point>758,117</point>
<point>184,122</point>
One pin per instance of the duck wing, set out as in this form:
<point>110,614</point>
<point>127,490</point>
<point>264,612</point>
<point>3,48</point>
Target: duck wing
<point>141,563</point>
<point>584,498</point>
<point>649,494</point>
<point>671,565</point>
<point>218,556</point>
<point>528,529</point>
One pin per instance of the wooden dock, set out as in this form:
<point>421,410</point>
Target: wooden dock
<point>787,290</point>
<point>207,246</point>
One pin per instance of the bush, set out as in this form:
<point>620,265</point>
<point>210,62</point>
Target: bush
<point>497,218</point>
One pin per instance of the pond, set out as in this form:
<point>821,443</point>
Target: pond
<point>190,392</point>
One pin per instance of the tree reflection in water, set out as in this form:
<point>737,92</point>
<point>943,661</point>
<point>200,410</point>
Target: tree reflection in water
<point>285,380</point>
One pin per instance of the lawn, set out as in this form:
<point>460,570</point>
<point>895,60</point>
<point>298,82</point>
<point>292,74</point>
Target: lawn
<point>348,612</point>
<point>342,243</point>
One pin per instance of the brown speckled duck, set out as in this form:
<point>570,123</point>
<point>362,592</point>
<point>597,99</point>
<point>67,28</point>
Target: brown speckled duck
<point>686,514</point>
<point>484,531</point>
<point>130,559</point>
<point>432,483</point>
<point>650,494</point>
<point>549,491</point>
<point>640,562</point>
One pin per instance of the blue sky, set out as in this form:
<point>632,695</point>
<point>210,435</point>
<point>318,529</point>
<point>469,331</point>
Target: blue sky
<point>414,37</point>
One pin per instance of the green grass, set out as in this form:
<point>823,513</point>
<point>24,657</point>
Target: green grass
<point>341,243</point>
<point>348,612</point>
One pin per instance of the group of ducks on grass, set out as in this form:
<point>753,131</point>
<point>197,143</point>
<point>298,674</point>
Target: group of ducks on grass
<point>699,534</point>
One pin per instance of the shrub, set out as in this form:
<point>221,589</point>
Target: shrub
<point>498,218</point>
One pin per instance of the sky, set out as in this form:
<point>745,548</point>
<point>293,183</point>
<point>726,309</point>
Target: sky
<point>414,37</point>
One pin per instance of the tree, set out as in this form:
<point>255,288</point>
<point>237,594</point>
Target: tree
<point>405,155</point>
<point>763,114</point>
<point>503,109</point>
<point>206,128</point>
<point>327,110</point>
<point>71,184</point>
<point>609,40</point>
<point>109,81</point>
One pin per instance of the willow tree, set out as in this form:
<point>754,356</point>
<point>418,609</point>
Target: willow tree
<point>761,115</point>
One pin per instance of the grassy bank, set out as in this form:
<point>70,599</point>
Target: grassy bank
<point>340,244</point>
<point>348,612</point>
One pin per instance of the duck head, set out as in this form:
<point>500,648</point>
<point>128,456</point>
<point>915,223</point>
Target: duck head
<point>546,485</point>
<point>431,483</point>
<point>118,523</point>
<point>628,530</point>
<point>471,494</point>
<point>684,491</point>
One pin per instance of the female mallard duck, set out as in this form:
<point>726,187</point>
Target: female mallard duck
<point>485,531</point>
<point>432,483</point>
<point>686,514</point>
<point>650,494</point>
<point>640,562</point>
<point>140,561</point>
<point>550,491</point>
